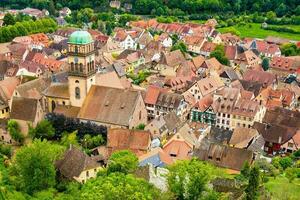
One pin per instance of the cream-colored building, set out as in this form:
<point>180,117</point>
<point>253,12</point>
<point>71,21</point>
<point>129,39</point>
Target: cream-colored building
<point>245,113</point>
<point>76,165</point>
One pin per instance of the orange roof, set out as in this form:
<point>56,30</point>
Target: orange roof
<point>204,103</point>
<point>152,94</point>
<point>178,149</point>
<point>125,139</point>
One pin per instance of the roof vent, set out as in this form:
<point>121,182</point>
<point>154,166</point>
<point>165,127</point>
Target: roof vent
<point>123,105</point>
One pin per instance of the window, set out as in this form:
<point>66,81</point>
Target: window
<point>77,81</point>
<point>77,93</point>
<point>81,67</point>
<point>64,103</point>
<point>87,174</point>
<point>2,111</point>
<point>140,115</point>
<point>76,49</point>
<point>72,66</point>
<point>76,66</point>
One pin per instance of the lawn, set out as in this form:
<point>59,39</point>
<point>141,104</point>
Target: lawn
<point>255,31</point>
<point>281,189</point>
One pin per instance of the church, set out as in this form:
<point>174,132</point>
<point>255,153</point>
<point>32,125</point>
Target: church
<point>83,98</point>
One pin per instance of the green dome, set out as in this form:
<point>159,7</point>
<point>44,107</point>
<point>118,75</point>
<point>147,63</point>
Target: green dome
<point>80,37</point>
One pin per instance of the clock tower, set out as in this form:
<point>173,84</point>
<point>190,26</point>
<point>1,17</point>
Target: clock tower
<point>81,59</point>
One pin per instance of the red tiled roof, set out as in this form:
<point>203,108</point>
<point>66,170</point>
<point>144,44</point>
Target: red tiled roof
<point>124,139</point>
<point>152,94</point>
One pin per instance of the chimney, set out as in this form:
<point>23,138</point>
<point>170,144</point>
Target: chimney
<point>279,140</point>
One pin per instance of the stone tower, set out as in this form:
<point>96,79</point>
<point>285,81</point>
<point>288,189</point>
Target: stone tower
<point>81,59</point>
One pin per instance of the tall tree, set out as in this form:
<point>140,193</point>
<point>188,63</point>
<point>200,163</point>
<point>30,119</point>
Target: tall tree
<point>8,19</point>
<point>122,161</point>
<point>119,186</point>
<point>252,190</point>
<point>189,179</point>
<point>33,166</point>
<point>15,131</point>
<point>265,64</point>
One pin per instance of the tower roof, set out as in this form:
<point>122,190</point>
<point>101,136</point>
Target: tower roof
<point>80,37</point>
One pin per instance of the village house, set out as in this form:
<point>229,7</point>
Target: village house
<point>76,165</point>
<point>178,148</point>
<point>265,49</point>
<point>224,156</point>
<point>137,141</point>
<point>243,137</point>
<point>283,98</point>
<point>205,87</point>
<point>165,40</point>
<point>7,88</point>
<point>27,112</point>
<point>159,102</point>
<point>263,77</point>
<point>246,60</point>
<point>282,66</point>
<point>223,104</point>
<point>230,39</point>
<point>169,63</point>
<point>194,43</point>
<point>207,48</point>
<point>164,125</point>
<point>203,111</point>
<point>278,128</point>
<point>245,112</point>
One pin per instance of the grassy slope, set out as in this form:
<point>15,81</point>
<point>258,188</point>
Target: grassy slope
<point>281,189</point>
<point>256,32</point>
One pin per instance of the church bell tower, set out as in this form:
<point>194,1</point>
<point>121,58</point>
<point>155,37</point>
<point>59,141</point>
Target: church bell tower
<point>81,59</point>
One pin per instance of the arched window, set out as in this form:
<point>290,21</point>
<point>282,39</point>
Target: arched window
<point>76,66</point>
<point>92,65</point>
<point>81,67</point>
<point>72,66</point>
<point>76,49</point>
<point>88,66</point>
<point>53,105</point>
<point>77,81</point>
<point>77,93</point>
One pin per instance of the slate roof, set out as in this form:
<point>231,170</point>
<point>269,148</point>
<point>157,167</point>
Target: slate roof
<point>107,105</point>
<point>219,135</point>
<point>157,157</point>
<point>74,161</point>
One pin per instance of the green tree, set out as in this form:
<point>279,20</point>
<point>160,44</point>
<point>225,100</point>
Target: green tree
<point>189,179</point>
<point>140,127</point>
<point>8,19</point>
<point>119,186</point>
<point>179,46</point>
<point>245,171</point>
<point>33,166</point>
<point>252,189</point>
<point>122,161</point>
<point>265,64</point>
<point>69,139</point>
<point>15,131</point>
<point>219,54</point>
<point>286,162</point>
<point>292,173</point>
<point>43,130</point>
